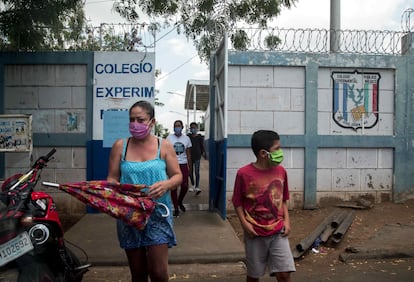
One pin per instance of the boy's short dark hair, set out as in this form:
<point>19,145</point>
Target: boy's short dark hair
<point>194,123</point>
<point>263,139</point>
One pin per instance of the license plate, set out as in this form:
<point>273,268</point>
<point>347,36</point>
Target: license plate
<point>15,248</point>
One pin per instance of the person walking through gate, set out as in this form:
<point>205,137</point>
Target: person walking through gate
<point>197,150</point>
<point>146,159</point>
<point>259,198</point>
<point>182,145</point>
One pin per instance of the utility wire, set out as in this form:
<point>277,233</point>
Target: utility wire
<point>174,70</point>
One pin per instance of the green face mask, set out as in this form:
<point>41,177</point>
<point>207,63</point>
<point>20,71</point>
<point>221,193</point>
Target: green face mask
<point>275,157</point>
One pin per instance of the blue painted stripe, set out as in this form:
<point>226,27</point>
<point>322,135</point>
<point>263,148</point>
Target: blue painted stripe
<point>344,100</point>
<point>336,97</point>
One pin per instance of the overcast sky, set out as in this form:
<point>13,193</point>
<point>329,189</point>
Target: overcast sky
<point>176,57</point>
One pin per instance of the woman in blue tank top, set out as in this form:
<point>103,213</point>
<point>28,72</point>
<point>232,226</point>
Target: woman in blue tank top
<point>149,160</point>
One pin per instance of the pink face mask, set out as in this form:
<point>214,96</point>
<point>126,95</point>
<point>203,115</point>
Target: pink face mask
<point>139,130</point>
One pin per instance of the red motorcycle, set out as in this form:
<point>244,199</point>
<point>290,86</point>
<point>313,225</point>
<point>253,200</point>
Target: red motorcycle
<point>31,234</point>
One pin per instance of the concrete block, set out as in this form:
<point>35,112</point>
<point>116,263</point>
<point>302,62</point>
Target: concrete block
<point>273,99</point>
<point>297,99</point>
<point>55,97</point>
<point>287,156</point>
<point>19,160</point>
<point>289,122</point>
<point>296,157</point>
<point>231,177</point>
<point>324,180</point>
<point>12,75</point>
<point>331,158</point>
<point>387,80</point>
<point>386,124</point>
<point>39,75</point>
<point>385,158</point>
<point>292,77</point>
<point>70,175</point>
<point>79,157</point>
<point>71,75</point>
<point>346,180</point>
<point>251,121</point>
<point>377,179</point>
<point>324,123</point>
<point>242,99</point>
<point>296,179</point>
<point>238,157</point>
<point>386,102</point>
<point>256,76</point>
<point>233,122</point>
<point>324,78</point>
<point>233,76</point>
<point>21,97</point>
<point>62,159</point>
<point>78,97</point>
<point>329,198</point>
<point>325,100</point>
<point>362,158</point>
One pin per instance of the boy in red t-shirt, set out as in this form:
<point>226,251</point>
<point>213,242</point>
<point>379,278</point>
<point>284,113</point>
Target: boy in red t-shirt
<point>259,197</point>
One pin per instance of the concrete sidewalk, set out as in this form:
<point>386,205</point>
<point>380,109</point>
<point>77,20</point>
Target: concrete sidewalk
<point>202,236</point>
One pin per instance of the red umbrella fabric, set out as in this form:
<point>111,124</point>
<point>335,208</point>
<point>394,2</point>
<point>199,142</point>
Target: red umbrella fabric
<point>124,201</point>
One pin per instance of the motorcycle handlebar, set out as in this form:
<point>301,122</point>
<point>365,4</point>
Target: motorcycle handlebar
<point>41,161</point>
<point>50,154</point>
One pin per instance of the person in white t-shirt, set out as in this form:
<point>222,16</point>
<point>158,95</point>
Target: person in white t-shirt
<point>182,145</point>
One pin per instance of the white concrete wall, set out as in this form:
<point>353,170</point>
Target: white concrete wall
<point>348,173</point>
<point>268,97</point>
<point>55,95</point>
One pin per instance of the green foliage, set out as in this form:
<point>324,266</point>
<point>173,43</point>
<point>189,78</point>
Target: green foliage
<point>240,40</point>
<point>206,21</point>
<point>272,42</point>
<point>39,24</point>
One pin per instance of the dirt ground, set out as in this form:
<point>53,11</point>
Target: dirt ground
<point>364,226</point>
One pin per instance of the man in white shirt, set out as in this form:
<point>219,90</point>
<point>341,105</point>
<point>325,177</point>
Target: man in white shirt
<point>182,145</point>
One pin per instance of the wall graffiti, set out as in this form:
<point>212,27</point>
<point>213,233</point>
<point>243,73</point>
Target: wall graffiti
<point>15,133</point>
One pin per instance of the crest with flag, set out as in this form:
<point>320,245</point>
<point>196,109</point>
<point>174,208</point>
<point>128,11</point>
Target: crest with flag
<point>355,99</point>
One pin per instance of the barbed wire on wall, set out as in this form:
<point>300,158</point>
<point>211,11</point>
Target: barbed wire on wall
<point>376,42</point>
<point>379,42</point>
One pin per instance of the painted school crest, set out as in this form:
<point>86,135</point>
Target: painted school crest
<point>355,99</point>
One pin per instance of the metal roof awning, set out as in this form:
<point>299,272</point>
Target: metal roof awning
<point>197,95</point>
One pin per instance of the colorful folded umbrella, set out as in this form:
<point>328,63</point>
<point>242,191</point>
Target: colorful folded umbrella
<point>124,201</point>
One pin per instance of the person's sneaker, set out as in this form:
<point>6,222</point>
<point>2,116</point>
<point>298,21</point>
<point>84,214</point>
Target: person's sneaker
<point>191,189</point>
<point>182,207</point>
<point>176,213</point>
<point>198,191</point>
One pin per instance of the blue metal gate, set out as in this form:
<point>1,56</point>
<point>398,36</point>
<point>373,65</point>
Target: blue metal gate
<point>217,141</point>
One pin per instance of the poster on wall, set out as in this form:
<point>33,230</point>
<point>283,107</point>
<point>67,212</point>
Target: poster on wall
<point>115,126</point>
<point>355,99</point>
<point>16,133</point>
<point>120,80</point>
